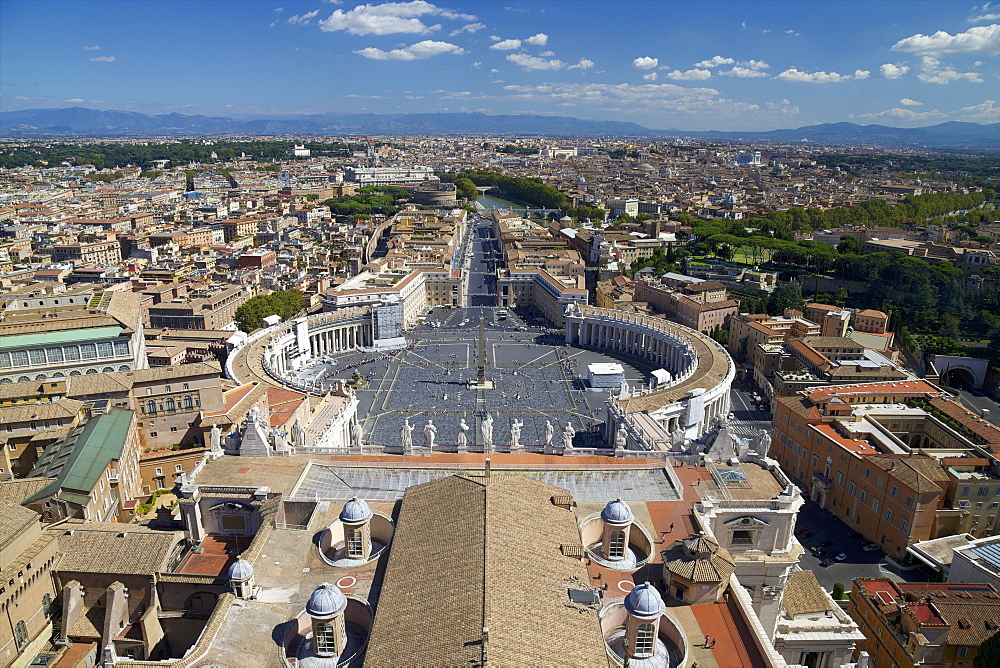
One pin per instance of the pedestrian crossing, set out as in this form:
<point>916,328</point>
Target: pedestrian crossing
<point>746,428</point>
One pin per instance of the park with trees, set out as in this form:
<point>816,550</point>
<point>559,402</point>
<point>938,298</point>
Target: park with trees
<point>286,303</point>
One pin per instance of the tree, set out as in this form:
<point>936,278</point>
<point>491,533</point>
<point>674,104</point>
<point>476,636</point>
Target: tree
<point>250,315</point>
<point>466,189</point>
<point>848,246</point>
<point>989,653</point>
<point>838,591</point>
<point>785,296</point>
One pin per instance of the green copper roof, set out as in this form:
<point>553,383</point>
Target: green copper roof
<point>56,338</point>
<point>102,439</point>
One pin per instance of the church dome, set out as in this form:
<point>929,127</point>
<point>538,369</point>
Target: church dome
<point>240,570</point>
<point>355,511</point>
<point>617,512</point>
<point>644,601</point>
<point>326,601</point>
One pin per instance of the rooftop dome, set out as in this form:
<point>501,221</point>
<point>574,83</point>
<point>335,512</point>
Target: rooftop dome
<point>617,512</point>
<point>326,601</point>
<point>644,601</point>
<point>240,570</point>
<point>355,511</point>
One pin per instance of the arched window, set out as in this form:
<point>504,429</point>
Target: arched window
<point>20,634</point>
<point>325,641</point>
<point>75,372</point>
<point>171,404</point>
<point>23,379</point>
<point>645,640</point>
<point>188,403</point>
<point>123,367</point>
<point>355,544</point>
<point>151,407</point>
<point>91,372</point>
<point>616,545</point>
<point>40,376</point>
<point>108,369</point>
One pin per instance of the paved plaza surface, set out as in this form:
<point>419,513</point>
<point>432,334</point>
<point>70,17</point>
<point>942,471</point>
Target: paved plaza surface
<point>535,379</point>
<point>331,481</point>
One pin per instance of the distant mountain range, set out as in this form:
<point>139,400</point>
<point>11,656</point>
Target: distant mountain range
<point>93,122</point>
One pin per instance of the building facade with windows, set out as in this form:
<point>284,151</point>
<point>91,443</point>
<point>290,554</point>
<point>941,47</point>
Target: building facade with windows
<point>94,472</point>
<point>27,556</point>
<point>891,469</point>
<point>910,624</point>
<point>86,330</point>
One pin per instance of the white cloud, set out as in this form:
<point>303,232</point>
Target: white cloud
<point>583,64</point>
<point>103,59</point>
<point>900,114</point>
<point>743,73</point>
<point>388,18</point>
<point>75,100</point>
<point>539,39</point>
<point>418,51</point>
<point>645,63</point>
<point>987,12</point>
<point>302,19</point>
<point>980,39</point>
<point>92,48</point>
<point>891,71</point>
<point>791,32</point>
<point>469,28</point>
<point>907,102</point>
<point>689,75</point>
<point>650,77</point>
<point>714,61</point>
<point>278,10</point>
<point>535,63</point>
<point>754,64</point>
<point>795,74</point>
<point>638,97</point>
<point>547,54</point>
<point>932,71</point>
<point>506,45</point>
<point>987,112</point>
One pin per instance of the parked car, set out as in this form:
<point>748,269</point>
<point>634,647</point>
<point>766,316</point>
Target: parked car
<point>841,557</point>
<point>871,547</point>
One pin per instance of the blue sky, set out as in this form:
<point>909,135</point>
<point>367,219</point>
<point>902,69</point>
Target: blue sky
<point>737,65</point>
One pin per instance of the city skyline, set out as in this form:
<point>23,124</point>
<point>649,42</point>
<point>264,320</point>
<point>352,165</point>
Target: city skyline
<point>746,66</point>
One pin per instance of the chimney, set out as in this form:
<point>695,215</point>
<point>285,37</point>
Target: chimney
<point>486,472</point>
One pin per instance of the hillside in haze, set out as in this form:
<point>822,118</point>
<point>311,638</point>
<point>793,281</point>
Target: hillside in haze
<point>91,122</point>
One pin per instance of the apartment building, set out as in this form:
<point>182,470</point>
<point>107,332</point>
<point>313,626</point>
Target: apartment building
<point>539,289</point>
<point>94,472</point>
<point>238,228</point>
<point>879,457</point>
<point>747,331</point>
<point>209,309</point>
<point>97,253</point>
<point>693,302</point>
<point>910,624</point>
<point>26,429</point>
